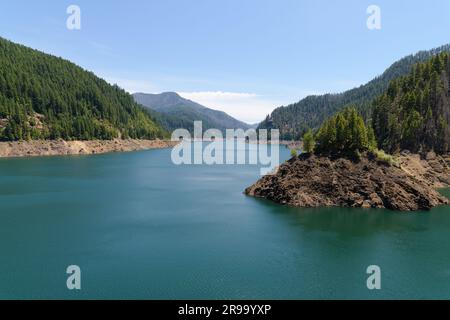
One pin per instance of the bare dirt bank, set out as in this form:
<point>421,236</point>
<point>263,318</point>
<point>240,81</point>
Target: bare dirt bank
<point>61,147</point>
<point>430,169</point>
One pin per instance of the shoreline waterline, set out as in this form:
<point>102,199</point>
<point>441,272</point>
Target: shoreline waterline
<point>39,148</point>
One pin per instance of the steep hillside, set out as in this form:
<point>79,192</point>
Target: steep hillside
<point>310,112</point>
<point>176,112</point>
<point>45,97</point>
<point>414,113</point>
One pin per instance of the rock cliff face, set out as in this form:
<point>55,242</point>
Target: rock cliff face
<point>312,181</point>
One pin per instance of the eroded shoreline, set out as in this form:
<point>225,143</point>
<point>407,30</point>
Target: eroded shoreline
<point>38,148</point>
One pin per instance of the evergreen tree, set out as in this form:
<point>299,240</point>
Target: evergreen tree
<point>344,134</point>
<point>308,141</point>
<point>45,97</point>
<point>416,115</point>
<point>312,111</point>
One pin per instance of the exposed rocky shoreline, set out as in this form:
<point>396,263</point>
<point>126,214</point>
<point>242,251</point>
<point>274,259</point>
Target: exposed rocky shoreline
<point>312,181</point>
<point>61,147</point>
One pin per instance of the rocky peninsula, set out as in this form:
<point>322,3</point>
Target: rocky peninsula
<point>316,181</point>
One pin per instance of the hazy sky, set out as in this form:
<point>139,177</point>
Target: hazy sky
<point>245,57</point>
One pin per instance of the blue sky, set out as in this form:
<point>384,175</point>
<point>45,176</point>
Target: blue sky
<point>245,57</point>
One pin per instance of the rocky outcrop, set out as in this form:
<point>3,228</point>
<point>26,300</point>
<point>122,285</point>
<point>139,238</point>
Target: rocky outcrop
<point>431,169</point>
<point>312,181</point>
<point>61,147</point>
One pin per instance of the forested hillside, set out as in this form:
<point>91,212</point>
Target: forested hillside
<point>414,113</point>
<point>312,111</point>
<point>45,97</point>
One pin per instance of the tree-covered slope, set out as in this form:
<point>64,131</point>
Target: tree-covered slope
<point>414,112</point>
<point>176,112</point>
<point>311,112</point>
<point>45,97</point>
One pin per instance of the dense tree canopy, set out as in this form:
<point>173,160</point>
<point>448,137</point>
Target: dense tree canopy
<point>414,113</point>
<point>45,97</point>
<point>294,120</point>
<point>344,134</point>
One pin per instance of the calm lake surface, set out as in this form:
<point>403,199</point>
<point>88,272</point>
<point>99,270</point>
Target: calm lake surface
<point>141,227</point>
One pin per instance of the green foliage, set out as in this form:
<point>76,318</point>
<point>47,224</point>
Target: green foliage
<point>344,134</point>
<point>309,142</point>
<point>372,140</point>
<point>294,153</point>
<point>414,113</point>
<point>311,112</point>
<point>45,97</point>
<point>171,122</point>
<point>383,157</point>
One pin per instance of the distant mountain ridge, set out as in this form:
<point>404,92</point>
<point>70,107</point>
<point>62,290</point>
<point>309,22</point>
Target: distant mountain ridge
<point>311,112</point>
<point>174,112</point>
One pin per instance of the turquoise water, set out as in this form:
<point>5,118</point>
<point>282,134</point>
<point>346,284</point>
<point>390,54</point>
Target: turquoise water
<point>140,227</point>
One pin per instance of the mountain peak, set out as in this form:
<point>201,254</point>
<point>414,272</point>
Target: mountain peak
<point>184,112</point>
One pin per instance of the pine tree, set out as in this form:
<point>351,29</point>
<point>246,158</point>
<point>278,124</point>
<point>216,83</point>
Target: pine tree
<point>71,102</point>
<point>416,116</point>
<point>308,141</point>
<point>344,134</point>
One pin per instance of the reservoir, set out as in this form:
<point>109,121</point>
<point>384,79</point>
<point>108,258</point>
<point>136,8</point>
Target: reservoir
<point>140,227</point>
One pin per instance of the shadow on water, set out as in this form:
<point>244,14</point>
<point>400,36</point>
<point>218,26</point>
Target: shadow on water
<point>357,222</point>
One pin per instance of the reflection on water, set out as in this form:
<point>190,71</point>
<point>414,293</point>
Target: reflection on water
<point>359,222</point>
